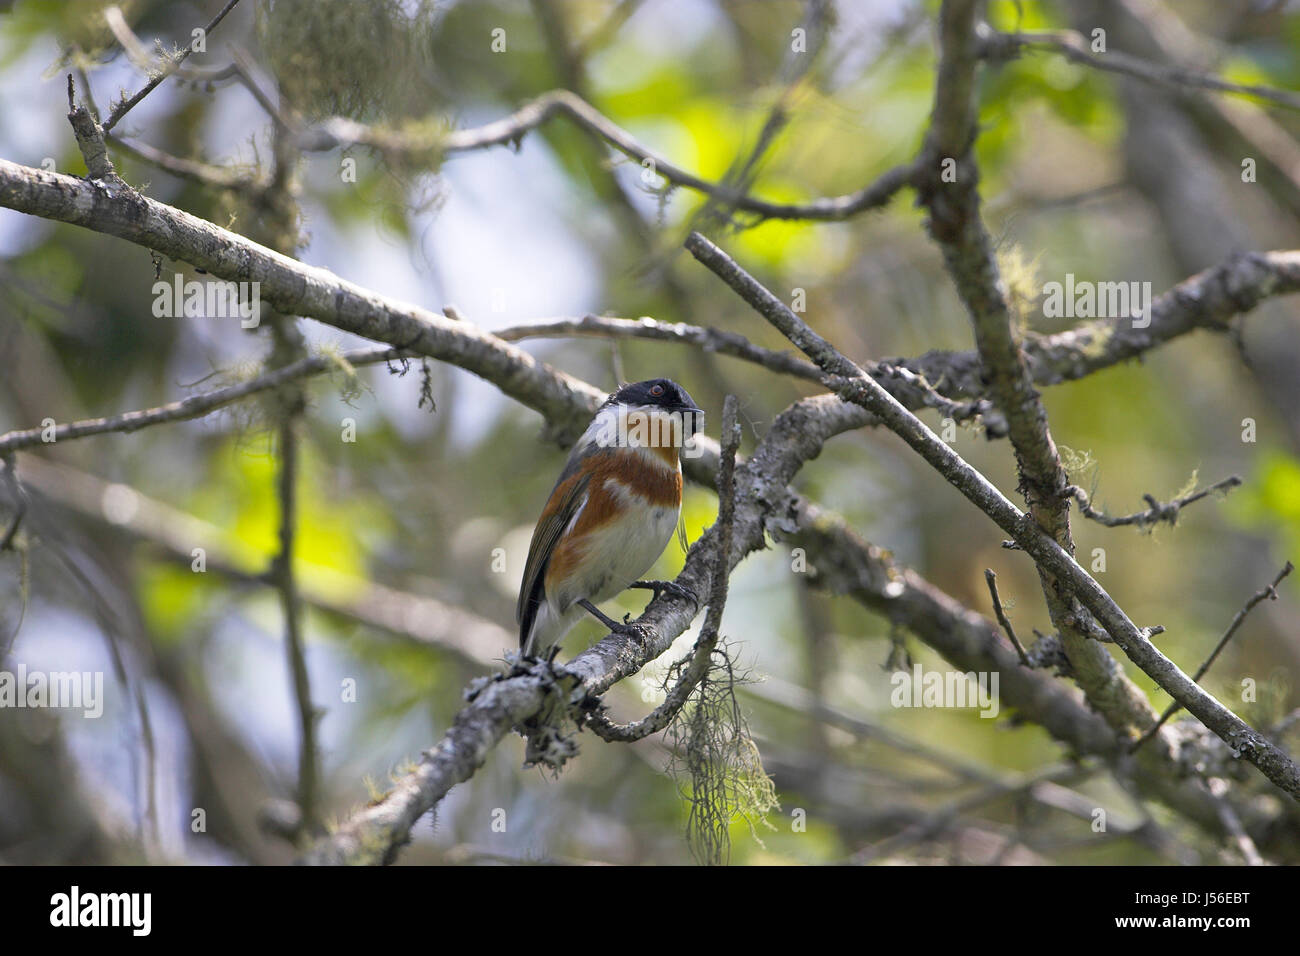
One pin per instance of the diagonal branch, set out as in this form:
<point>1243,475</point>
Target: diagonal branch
<point>992,579</point>
<point>145,60</point>
<point>172,66</point>
<point>1048,554</point>
<point>206,174</point>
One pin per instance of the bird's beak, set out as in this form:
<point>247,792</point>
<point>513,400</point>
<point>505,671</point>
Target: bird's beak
<point>694,418</point>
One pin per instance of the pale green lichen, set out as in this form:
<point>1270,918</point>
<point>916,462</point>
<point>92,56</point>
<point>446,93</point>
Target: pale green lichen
<point>723,770</point>
<point>1080,467</point>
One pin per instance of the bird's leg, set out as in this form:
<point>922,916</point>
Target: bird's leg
<point>614,626</point>
<point>672,587</point>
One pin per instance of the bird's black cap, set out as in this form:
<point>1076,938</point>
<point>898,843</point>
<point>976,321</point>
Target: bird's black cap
<point>661,392</point>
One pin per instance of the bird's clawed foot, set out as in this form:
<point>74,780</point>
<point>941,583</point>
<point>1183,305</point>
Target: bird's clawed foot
<point>669,587</point>
<point>625,627</point>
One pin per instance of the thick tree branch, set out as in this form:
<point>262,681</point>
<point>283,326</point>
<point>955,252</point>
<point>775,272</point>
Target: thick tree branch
<point>1207,300</point>
<point>297,289</point>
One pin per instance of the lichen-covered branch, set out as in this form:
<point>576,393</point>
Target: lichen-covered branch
<point>1048,554</point>
<point>173,64</point>
<point>422,143</point>
<point>1156,511</point>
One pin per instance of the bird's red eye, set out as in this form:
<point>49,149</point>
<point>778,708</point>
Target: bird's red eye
<point>656,390</point>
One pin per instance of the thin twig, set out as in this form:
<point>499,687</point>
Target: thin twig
<point>287,347</point>
<point>1076,49</point>
<point>1154,514</point>
<point>139,54</point>
<point>907,385</point>
<point>511,129</point>
<point>944,816</point>
<point>196,406</point>
<point>794,67</point>
<point>149,819</point>
<point>992,580</point>
<point>206,174</point>
<point>779,693</point>
<point>1270,593</point>
<point>15,492</point>
<point>711,340</point>
<point>240,67</point>
<point>285,121</point>
<point>291,605</point>
<point>126,106</point>
<point>87,91</point>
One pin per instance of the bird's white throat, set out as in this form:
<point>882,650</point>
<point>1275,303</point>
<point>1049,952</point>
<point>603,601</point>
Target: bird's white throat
<point>639,426</point>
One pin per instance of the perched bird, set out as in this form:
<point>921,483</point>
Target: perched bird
<point>611,513</point>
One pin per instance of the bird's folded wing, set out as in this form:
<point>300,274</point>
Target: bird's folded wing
<point>565,501</point>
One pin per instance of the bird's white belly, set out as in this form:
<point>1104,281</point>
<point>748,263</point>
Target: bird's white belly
<point>623,550</point>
